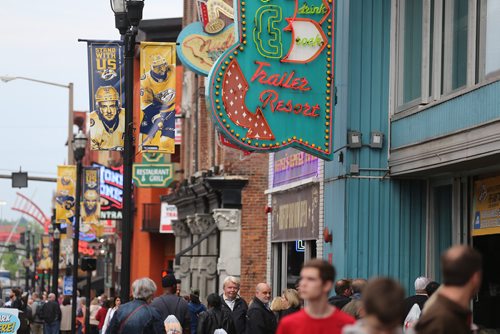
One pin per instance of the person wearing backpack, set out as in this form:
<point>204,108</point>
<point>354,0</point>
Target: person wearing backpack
<point>37,310</point>
<point>215,318</point>
<point>195,308</point>
<point>137,316</point>
<point>169,303</point>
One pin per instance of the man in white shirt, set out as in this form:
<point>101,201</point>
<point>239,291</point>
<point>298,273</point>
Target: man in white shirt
<point>234,304</point>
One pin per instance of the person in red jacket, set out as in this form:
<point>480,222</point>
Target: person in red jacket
<point>101,315</point>
<point>319,317</point>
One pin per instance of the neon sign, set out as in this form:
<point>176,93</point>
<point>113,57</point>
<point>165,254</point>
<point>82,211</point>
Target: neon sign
<point>201,43</point>
<point>273,88</point>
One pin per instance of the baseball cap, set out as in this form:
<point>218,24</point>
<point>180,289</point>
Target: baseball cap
<point>168,281</point>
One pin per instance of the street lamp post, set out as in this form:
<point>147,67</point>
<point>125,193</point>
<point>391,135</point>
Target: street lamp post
<point>28,246</point>
<point>128,15</point>
<point>70,106</point>
<point>55,262</point>
<point>79,144</point>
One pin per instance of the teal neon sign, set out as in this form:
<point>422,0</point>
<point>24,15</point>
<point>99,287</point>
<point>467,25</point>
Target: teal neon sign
<point>273,89</point>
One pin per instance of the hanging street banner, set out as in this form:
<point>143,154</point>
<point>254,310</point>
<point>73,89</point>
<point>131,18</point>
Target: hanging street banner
<point>486,207</point>
<point>153,172</point>
<point>273,89</point>
<point>158,78</point>
<point>106,95</point>
<point>111,191</point>
<point>65,194</point>
<point>201,43</point>
<point>91,226</point>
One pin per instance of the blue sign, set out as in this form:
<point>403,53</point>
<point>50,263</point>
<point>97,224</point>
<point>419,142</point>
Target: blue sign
<point>68,286</point>
<point>9,320</point>
<point>300,246</point>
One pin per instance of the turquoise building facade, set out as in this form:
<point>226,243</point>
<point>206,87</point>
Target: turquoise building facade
<point>423,74</point>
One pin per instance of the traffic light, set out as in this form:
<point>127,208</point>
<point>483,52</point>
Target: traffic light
<point>164,273</point>
<point>37,277</point>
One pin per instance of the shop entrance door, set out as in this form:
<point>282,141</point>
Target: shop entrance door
<point>487,303</point>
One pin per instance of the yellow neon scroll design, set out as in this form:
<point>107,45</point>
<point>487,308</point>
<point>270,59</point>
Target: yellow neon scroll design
<point>266,36</point>
<point>219,6</point>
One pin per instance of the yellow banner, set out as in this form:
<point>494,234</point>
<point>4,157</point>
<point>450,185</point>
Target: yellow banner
<point>157,129</point>
<point>91,226</point>
<point>65,194</point>
<point>486,207</point>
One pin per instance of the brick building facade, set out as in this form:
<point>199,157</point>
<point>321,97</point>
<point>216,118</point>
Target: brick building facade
<point>221,186</point>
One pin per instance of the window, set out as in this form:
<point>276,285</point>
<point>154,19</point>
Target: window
<point>490,26</point>
<point>436,49</point>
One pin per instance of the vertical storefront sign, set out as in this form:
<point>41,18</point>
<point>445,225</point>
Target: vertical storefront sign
<point>486,206</point>
<point>111,191</point>
<point>273,89</point>
<point>158,78</point>
<point>106,93</point>
<point>91,227</point>
<point>65,194</point>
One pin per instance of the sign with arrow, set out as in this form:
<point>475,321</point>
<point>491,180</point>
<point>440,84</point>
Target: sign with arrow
<point>273,88</point>
<point>152,175</point>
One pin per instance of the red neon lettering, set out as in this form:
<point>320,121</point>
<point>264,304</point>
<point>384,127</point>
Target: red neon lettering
<point>284,80</point>
<point>270,98</point>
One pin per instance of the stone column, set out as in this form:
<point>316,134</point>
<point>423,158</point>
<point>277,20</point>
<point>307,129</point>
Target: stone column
<point>229,224</point>
<point>182,241</point>
<point>204,266</point>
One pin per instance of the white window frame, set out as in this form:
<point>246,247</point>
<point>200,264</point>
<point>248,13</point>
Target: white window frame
<point>435,87</point>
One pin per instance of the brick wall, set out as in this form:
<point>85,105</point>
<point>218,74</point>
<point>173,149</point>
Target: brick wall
<point>254,167</point>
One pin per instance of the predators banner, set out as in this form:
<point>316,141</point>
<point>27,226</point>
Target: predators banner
<point>65,194</point>
<point>106,95</point>
<point>157,130</point>
<point>91,227</point>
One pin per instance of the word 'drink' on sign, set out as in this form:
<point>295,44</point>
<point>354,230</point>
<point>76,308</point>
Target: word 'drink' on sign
<point>273,87</point>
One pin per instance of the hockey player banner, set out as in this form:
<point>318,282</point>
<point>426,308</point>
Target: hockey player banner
<point>65,194</point>
<point>91,227</point>
<point>106,95</point>
<point>157,129</point>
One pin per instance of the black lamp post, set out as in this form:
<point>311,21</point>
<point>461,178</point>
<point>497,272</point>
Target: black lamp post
<point>56,234</point>
<point>79,144</point>
<point>128,15</point>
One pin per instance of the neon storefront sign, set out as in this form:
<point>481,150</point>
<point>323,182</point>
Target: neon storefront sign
<point>273,89</point>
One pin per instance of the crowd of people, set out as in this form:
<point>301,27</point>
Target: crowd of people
<point>375,306</point>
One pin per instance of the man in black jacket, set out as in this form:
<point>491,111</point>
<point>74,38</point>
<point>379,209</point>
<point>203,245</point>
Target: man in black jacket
<point>234,304</point>
<point>51,315</point>
<point>169,303</point>
<point>260,318</point>
<point>343,291</point>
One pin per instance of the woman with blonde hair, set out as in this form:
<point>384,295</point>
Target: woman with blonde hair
<point>287,304</point>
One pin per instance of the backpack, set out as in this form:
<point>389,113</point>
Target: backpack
<point>38,311</point>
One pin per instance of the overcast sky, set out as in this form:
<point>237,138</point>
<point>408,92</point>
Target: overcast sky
<point>40,41</point>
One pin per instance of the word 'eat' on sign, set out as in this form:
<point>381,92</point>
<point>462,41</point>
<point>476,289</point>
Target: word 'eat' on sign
<point>274,88</point>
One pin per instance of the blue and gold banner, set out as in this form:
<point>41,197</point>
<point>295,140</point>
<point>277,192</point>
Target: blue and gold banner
<point>91,226</point>
<point>65,194</point>
<point>157,129</point>
<point>106,95</point>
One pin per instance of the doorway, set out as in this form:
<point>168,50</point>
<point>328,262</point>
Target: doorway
<point>487,302</point>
